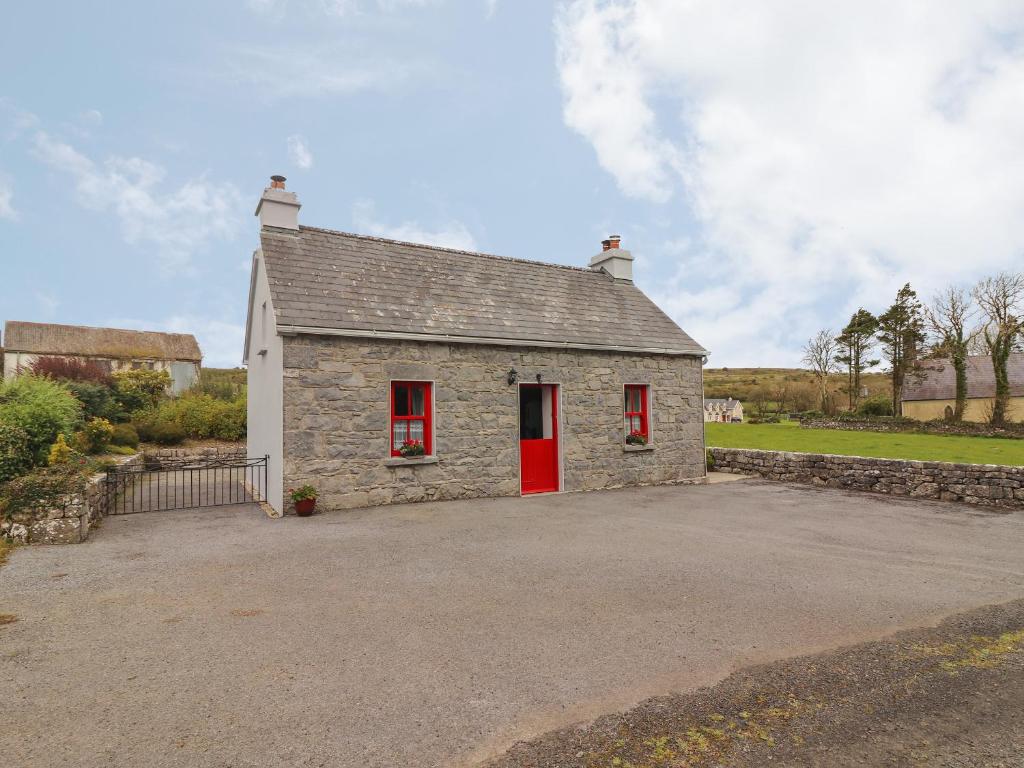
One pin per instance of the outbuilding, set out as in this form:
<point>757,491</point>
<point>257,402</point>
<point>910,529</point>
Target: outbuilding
<point>112,349</point>
<point>382,371</point>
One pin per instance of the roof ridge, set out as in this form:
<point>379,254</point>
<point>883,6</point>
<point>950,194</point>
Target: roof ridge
<point>444,249</point>
<point>95,328</point>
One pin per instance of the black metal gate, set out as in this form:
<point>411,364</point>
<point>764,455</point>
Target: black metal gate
<point>186,484</point>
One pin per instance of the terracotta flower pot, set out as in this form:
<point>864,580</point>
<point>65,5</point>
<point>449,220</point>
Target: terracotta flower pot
<point>305,507</point>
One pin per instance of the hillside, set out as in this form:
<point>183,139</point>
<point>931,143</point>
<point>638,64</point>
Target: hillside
<point>747,384</point>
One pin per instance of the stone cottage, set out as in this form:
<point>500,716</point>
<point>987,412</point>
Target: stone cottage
<point>382,371</point>
<point>113,349</point>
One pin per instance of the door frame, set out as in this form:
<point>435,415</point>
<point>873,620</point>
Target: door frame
<point>557,394</point>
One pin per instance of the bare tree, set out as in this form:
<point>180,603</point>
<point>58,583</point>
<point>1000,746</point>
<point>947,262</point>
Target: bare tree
<point>820,356</point>
<point>1001,299</point>
<point>950,318</point>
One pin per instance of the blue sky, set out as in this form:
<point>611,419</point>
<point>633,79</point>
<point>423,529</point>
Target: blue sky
<point>770,170</point>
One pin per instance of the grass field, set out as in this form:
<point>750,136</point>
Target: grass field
<point>788,436</point>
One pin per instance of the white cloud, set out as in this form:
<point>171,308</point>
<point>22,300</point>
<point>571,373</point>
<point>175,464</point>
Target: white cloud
<point>490,8</point>
<point>47,301</point>
<point>7,210</point>
<point>176,222</point>
<point>313,71</point>
<point>829,152</point>
<point>298,152</point>
<point>452,234</point>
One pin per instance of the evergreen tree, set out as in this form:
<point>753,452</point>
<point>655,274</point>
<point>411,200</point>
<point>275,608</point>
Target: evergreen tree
<point>901,332</point>
<point>855,342</point>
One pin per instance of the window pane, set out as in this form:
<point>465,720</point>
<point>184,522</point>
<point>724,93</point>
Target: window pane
<point>397,435</point>
<point>633,399</point>
<point>415,430</point>
<point>635,424</point>
<point>531,413</point>
<point>401,400</point>
<point>417,400</point>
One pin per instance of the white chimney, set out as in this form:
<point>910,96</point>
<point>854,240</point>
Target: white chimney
<point>613,260</point>
<point>278,208</point>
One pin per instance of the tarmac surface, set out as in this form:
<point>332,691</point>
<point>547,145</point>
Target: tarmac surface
<point>440,634</point>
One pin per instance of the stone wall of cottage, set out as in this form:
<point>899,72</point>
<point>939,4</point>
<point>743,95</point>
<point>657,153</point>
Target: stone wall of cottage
<point>986,485</point>
<point>336,420</point>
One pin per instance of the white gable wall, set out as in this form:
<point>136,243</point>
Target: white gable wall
<point>266,386</point>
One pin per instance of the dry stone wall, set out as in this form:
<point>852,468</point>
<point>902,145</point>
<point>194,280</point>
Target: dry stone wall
<point>68,522</point>
<point>982,484</point>
<point>336,419</point>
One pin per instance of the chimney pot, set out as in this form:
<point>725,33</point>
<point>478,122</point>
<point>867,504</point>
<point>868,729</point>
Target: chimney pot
<point>606,244</point>
<point>277,182</point>
<point>613,241</point>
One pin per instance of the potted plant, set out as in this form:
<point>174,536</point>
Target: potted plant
<point>410,449</point>
<point>304,498</point>
<point>636,437</point>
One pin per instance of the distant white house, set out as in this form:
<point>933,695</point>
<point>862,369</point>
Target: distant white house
<point>113,349</point>
<point>725,410</point>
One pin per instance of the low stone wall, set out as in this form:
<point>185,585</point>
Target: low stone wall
<point>70,521</point>
<point>890,424</point>
<point>156,456</point>
<point>986,485</point>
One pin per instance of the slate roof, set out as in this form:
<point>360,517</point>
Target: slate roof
<point>116,343</point>
<point>938,379</point>
<point>326,280</point>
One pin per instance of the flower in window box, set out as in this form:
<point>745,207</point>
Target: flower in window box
<point>411,449</point>
<point>636,437</point>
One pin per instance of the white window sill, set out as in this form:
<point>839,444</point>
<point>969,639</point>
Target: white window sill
<point>637,448</point>
<point>399,461</point>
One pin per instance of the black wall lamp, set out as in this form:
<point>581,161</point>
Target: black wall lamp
<point>513,376</point>
<point>538,378</point>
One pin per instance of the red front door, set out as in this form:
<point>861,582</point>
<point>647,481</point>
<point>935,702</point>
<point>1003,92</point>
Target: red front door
<point>538,437</point>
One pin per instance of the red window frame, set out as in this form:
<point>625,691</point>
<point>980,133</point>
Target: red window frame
<point>426,417</point>
<point>643,414</point>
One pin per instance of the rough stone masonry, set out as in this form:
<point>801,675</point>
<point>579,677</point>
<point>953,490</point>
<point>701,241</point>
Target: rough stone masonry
<point>987,485</point>
<point>336,418</point>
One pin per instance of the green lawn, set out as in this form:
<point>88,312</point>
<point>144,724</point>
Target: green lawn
<point>788,436</point>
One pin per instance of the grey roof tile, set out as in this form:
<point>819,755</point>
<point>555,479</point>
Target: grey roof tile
<point>338,281</point>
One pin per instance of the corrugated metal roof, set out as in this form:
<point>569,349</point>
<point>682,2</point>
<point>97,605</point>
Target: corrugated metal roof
<point>117,343</point>
<point>937,379</point>
<point>329,280</point>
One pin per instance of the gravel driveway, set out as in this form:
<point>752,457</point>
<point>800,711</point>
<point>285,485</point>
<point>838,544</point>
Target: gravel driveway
<point>436,634</point>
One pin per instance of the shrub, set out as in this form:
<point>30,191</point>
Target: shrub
<point>42,489</point>
<point>709,458</point>
<point>121,450</point>
<point>71,369</point>
<point>141,388</point>
<point>203,416</point>
<point>875,406</point>
<point>168,433</point>
<point>15,452</point>
<point>60,452</point>
<point>42,407</point>
<point>97,400</point>
<point>97,434</point>
<point>125,436</point>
